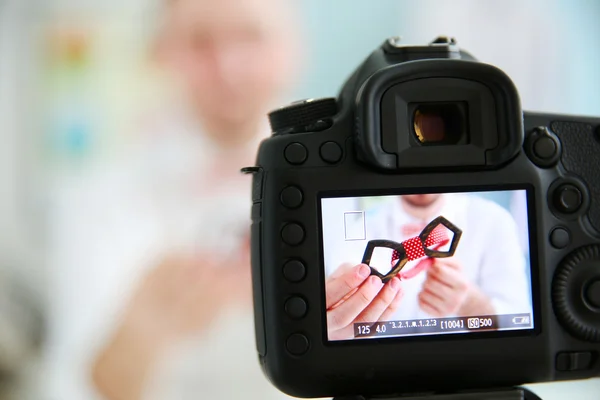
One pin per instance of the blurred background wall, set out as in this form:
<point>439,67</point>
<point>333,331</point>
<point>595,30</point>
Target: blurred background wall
<point>74,73</point>
<point>74,76</point>
<point>549,48</point>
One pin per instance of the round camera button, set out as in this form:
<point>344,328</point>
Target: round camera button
<point>297,344</point>
<point>560,238</point>
<point>296,307</point>
<point>291,197</point>
<point>295,153</point>
<point>292,234</point>
<point>568,198</point>
<point>592,294</point>
<point>545,147</point>
<point>294,271</point>
<point>331,152</point>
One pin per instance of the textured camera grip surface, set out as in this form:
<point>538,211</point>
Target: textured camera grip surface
<point>581,156</point>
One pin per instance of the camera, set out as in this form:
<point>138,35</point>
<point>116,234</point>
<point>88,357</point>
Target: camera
<point>422,233</point>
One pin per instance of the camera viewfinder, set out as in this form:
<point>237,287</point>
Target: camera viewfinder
<point>440,124</point>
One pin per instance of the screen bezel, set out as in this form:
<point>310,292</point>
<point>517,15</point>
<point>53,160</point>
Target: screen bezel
<point>533,265</point>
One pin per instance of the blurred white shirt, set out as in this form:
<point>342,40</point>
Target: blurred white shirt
<point>111,226</point>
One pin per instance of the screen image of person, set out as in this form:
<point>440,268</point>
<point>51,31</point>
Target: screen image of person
<point>488,274</point>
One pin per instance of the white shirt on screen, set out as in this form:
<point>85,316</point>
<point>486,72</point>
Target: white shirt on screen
<point>489,250</point>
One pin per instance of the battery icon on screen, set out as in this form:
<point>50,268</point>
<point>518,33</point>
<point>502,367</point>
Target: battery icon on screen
<point>521,320</point>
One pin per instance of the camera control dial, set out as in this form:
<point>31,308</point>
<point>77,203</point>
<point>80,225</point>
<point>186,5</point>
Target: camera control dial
<point>568,198</point>
<point>576,293</point>
<point>592,294</point>
<point>304,116</point>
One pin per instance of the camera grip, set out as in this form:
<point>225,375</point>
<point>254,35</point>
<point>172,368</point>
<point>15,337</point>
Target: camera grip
<point>580,155</point>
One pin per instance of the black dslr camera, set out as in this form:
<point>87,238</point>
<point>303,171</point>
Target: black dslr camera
<point>421,233</point>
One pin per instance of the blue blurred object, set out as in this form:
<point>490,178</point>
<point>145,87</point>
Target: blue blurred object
<point>71,132</point>
<point>339,35</point>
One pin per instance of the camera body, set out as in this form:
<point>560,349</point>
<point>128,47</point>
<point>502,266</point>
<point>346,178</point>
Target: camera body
<point>421,120</point>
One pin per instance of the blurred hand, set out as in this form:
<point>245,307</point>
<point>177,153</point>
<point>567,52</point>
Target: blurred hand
<point>179,298</point>
<point>182,297</point>
<point>352,296</point>
<point>447,291</point>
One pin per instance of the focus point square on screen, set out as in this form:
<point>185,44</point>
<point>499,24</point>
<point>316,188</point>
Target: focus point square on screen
<point>354,225</point>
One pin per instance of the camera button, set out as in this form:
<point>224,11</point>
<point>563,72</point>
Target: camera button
<point>331,152</point>
<point>297,344</point>
<point>560,238</point>
<point>592,294</point>
<point>568,198</point>
<point>545,147</point>
<point>291,197</point>
<point>294,271</point>
<point>296,307</point>
<point>295,153</point>
<point>572,361</point>
<point>292,234</point>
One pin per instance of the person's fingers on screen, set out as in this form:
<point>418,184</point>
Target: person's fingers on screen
<point>451,262</point>
<point>337,288</point>
<point>438,272</point>
<point>348,331</point>
<point>431,305</point>
<point>346,297</point>
<point>382,301</point>
<point>449,276</point>
<point>445,289</point>
<point>347,312</point>
<point>341,270</point>
<point>444,305</point>
<point>437,288</point>
<point>388,314</point>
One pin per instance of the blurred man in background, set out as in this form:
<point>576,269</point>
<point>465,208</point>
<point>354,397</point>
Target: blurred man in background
<point>157,298</point>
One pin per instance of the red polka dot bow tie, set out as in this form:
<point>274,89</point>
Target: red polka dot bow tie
<point>426,245</point>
